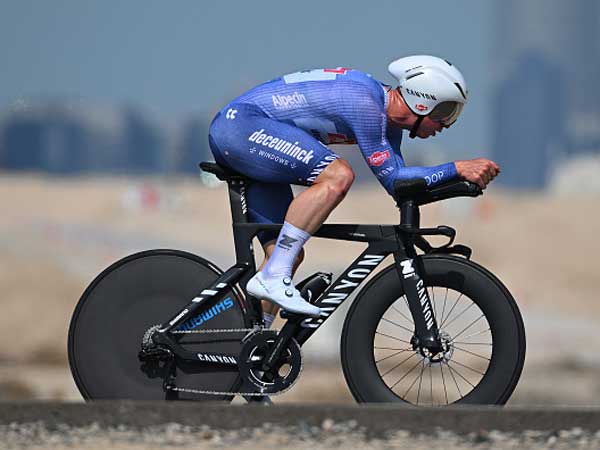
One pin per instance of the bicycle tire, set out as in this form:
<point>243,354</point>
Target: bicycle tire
<point>365,381</point>
<point>125,300</point>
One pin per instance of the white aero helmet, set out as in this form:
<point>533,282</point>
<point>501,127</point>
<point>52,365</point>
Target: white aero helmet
<point>430,86</point>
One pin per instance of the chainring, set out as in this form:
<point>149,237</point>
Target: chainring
<point>285,372</point>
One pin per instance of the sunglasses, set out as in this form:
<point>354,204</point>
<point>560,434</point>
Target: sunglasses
<point>446,113</point>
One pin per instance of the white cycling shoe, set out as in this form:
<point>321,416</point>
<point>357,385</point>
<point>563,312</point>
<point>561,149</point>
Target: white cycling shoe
<point>282,292</point>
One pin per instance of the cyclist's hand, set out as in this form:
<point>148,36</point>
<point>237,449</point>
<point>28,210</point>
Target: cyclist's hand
<point>478,170</point>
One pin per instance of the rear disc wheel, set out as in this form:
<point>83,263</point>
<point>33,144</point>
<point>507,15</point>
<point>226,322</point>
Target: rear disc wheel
<point>129,298</point>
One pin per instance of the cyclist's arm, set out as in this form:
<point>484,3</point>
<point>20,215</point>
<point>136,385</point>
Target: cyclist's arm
<point>368,121</point>
<point>394,169</point>
<point>394,137</point>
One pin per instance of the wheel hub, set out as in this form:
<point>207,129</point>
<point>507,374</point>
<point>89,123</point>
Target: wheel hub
<point>150,351</point>
<point>438,355</point>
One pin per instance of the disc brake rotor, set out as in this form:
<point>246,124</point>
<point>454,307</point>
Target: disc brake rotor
<point>441,357</point>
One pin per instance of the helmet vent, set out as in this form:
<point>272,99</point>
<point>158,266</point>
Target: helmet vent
<point>448,62</point>
<point>413,75</point>
<point>461,90</point>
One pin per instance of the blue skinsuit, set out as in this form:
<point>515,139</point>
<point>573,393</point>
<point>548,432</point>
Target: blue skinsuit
<point>276,134</point>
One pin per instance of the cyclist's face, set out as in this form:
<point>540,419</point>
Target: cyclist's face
<point>429,128</point>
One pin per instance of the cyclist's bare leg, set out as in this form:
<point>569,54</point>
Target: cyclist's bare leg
<point>311,208</point>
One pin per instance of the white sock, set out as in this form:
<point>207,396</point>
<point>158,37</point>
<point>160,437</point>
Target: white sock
<point>289,243</point>
<point>268,319</point>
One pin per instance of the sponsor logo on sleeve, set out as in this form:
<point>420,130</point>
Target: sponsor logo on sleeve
<point>421,107</point>
<point>385,172</point>
<point>434,177</point>
<point>378,158</point>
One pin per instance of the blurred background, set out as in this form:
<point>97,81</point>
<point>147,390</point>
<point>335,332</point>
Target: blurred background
<point>104,111</point>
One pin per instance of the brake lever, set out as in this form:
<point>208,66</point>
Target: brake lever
<point>473,188</point>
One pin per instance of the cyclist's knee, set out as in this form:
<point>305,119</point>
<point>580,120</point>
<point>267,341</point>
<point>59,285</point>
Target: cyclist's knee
<point>338,177</point>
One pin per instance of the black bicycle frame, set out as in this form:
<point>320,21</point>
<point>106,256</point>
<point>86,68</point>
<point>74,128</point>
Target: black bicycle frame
<point>383,240</point>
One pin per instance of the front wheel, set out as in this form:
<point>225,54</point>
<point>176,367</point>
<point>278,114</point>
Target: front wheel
<point>480,326</point>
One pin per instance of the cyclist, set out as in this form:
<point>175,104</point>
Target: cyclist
<point>276,134</point>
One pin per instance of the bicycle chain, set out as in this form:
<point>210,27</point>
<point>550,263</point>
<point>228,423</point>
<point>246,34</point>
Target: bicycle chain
<point>223,330</point>
<point>222,393</point>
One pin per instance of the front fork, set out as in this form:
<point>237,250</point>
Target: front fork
<point>410,270</point>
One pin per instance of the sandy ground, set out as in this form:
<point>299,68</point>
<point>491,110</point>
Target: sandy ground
<point>56,235</point>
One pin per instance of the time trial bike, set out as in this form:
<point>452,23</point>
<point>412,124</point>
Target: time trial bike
<point>432,328</point>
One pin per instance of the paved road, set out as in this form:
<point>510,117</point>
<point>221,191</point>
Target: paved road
<point>375,419</point>
<point>187,426</point>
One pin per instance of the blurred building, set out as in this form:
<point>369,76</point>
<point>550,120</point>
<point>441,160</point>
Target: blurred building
<point>57,136</point>
<point>70,137</point>
<point>547,99</point>
<point>192,146</point>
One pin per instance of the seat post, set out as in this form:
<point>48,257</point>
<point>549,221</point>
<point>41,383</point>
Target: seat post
<point>242,237</point>
<point>237,185</point>
<point>237,199</point>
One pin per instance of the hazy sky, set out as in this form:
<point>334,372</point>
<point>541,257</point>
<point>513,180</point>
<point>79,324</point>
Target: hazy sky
<point>182,56</point>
